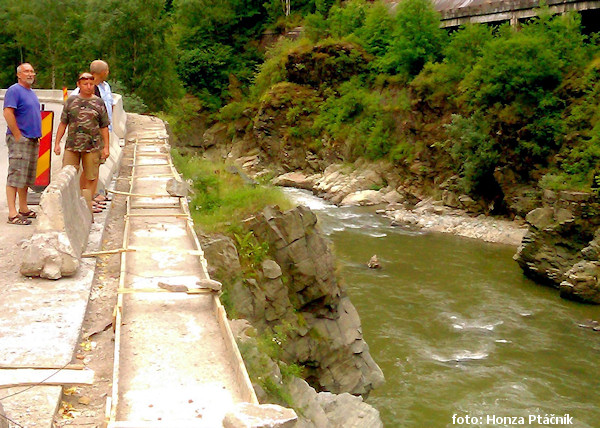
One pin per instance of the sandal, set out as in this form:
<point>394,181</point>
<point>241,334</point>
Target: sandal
<point>96,209</point>
<point>102,198</point>
<point>28,214</point>
<point>19,220</point>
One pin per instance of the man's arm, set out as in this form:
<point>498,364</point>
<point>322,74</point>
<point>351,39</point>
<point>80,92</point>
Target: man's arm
<point>105,137</point>
<point>59,134</point>
<point>11,122</point>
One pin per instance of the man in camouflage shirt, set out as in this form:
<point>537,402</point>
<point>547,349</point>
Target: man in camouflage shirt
<point>87,141</point>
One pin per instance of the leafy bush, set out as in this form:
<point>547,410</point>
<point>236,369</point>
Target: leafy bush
<point>417,39</point>
<point>356,115</point>
<point>515,86</point>
<point>272,70</point>
<point>131,102</point>
<point>475,154</point>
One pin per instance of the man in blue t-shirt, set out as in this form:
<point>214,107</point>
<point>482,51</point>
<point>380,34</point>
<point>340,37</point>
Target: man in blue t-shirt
<point>24,129</point>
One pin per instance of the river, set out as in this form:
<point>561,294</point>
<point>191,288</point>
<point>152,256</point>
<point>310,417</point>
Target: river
<point>459,331</point>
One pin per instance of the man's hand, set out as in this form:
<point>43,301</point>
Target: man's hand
<point>57,149</point>
<point>105,152</point>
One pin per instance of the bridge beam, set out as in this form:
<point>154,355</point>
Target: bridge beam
<point>505,11</point>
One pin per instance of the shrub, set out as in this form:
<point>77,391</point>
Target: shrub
<point>475,153</point>
<point>417,39</point>
<point>356,115</point>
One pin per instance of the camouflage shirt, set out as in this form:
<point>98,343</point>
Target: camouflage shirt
<point>85,117</point>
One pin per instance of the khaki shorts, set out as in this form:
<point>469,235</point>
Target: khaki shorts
<point>89,160</point>
<point>22,161</point>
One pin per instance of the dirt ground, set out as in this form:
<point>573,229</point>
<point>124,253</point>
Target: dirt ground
<point>85,406</point>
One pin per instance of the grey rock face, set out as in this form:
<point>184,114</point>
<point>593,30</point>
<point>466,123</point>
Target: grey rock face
<point>326,410</point>
<point>223,256</point>
<point>326,327</point>
<point>562,245</point>
<point>581,282</point>
<point>62,230</point>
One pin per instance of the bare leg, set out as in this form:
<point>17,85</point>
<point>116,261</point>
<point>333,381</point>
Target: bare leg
<point>11,200</point>
<point>87,189</point>
<point>22,192</point>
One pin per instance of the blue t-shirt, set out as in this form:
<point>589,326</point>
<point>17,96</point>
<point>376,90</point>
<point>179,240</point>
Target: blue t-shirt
<point>27,110</point>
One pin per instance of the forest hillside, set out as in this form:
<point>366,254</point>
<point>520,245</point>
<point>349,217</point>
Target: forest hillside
<point>494,111</point>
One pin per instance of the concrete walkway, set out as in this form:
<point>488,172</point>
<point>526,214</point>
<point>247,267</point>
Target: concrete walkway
<point>173,362</point>
<point>176,363</point>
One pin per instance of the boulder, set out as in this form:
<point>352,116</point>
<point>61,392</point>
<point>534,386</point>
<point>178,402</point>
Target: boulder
<point>221,256</point>
<point>295,179</point>
<point>62,229</point>
<point>271,269</point>
<point>178,188</point>
<point>247,415</point>
<point>581,283</point>
<point>374,262</point>
<point>326,410</point>
<point>363,198</point>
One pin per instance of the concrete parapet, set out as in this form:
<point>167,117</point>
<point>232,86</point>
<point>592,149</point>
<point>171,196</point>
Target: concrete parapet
<point>62,230</point>
<point>119,117</point>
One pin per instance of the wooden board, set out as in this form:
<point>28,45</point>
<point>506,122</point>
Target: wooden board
<point>19,377</point>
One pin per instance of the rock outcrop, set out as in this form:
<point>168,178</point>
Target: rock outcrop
<point>328,326</point>
<point>562,245</point>
<point>246,415</point>
<point>327,410</point>
<point>297,288</point>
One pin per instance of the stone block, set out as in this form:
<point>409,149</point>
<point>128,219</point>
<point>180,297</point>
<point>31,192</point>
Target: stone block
<point>62,230</point>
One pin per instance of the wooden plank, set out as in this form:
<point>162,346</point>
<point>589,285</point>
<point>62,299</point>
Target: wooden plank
<point>50,367</point>
<point>20,377</point>
<point>162,290</point>
<point>141,195</point>
<point>159,250</point>
<point>245,384</point>
<point>157,214</point>
<point>107,252</point>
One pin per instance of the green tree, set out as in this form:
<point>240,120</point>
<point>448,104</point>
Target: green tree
<point>48,35</point>
<point>132,36</point>
<point>515,83</point>
<point>215,39</point>
<point>417,39</point>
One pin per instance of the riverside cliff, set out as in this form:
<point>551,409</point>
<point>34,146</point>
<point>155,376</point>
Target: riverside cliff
<point>285,283</point>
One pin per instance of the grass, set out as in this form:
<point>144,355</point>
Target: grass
<point>223,199</point>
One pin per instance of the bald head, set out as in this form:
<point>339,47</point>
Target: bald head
<point>26,74</point>
<point>98,66</point>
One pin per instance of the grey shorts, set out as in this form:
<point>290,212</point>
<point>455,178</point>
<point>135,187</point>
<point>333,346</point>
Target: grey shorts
<point>22,161</point>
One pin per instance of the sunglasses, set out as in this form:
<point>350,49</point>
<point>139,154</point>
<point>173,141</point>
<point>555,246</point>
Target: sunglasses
<point>85,78</point>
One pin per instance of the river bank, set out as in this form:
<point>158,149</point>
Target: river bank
<point>405,207</point>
